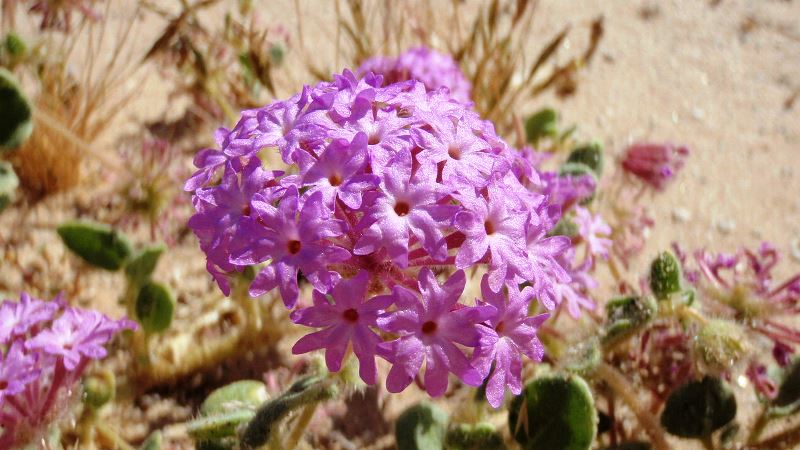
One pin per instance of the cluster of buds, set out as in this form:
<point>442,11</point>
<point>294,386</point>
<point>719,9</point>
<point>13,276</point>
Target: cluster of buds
<point>433,69</point>
<point>385,189</point>
<point>45,346</point>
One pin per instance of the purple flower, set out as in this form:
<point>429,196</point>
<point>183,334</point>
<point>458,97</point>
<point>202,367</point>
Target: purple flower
<point>338,173</point>
<point>408,207</point>
<point>590,227</point>
<point>490,224</point>
<point>77,334</point>
<point>655,164</point>
<point>510,334</point>
<point>17,369</point>
<point>347,320</point>
<point>543,255</point>
<point>435,70</point>
<point>292,237</point>
<point>429,331</point>
<point>17,318</point>
<point>462,154</point>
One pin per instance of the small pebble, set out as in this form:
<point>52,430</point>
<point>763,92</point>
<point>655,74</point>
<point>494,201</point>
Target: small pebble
<point>698,114</point>
<point>725,226</point>
<point>681,215</point>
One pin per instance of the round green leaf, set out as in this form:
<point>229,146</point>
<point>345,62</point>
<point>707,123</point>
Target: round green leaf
<point>154,307</point>
<point>554,412</point>
<point>15,113</point>
<point>590,154</point>
<point>14,45</point>
<point>480,436</point>
<point>421,427</point>
<point>698,408</point>
<point>665,275</point>
<point>98,245</point>
<point>142,265</point>
<point>789,391</point>
<point>540,124</point>
<point>244,394</point>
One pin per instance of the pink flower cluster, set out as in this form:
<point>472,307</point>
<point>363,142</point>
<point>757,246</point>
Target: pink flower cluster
<point>44,348</point>
<point>654,164</point>
<point>435,70</point>
<point>387,190</point>
<point>747,276</point>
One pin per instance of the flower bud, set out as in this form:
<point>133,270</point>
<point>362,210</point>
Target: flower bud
<point>541,124</point>
<point>720,344</point>
<point>99,389</point>
<point>590,154</point>
<point>665,275</point>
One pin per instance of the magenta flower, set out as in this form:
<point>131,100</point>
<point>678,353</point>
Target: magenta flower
<point>509,334</point>
<point>590,228</point>
<point>429,331</point>
<point>338,173</point>
<point>462,154</point>
<point>435,70</point>
<point>44,349</point>
<point>292,238</point>
<point>655,164</point>
<point>348,320</point>
<point>490,224</point>
<point>408,207</point>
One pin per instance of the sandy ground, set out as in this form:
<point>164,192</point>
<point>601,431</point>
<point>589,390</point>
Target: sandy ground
<point>717,76</point>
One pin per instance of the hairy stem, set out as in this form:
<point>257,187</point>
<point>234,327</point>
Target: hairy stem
<point>300,426</point>
<point>622,388</point>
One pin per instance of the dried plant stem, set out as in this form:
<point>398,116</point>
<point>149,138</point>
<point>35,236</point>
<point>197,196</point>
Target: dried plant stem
<point>622,388</point>
<point>44,118</point>
<point>300,426</point>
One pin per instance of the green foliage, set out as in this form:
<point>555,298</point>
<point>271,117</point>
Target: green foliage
<point>564,227</point>
<point>625,316</point>
<point>244,394</point>
<point>98,245</point>
<point>720,344</point>
<point>153,442</point>
<point>590,154</point>
<point>142,265</point>
<point>99,389</point>
<point>304,392</point>
<point>554,412</point>
<point>219,426</point>
<point>789,390</point>
<point>576,169</point>
<point>421,427</point>
<point>14,45</point>
<point>15,113</point>
<point>8,184</point>
<point>541,124</point>
<point>481,436</point>
<point>665,275</point>
<point>584,357</point>
<point>155,305</point>
<point>698,408</point>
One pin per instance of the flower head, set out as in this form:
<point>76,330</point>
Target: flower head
<point>655,164</point>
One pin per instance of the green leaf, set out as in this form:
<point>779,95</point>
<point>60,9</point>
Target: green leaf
<point>564,227</point>
<point>582,358</point>
<point>15,113</point>
<point>99,389</point>
<point>721,344</point>
<point>154,307</point>
<point>625,316</point>
<point>218,426</point>
<point>142,265</point>
<point>789,390</point>
<point>480,436</point>
<point>590,154</point>
<point>698,408</point>
<point>153,442</point>
<point>14,45</point>
<point>8,184</point>
<point>554,412</point>
<point>542,123</point>
<point>243,394</point>
<point>97,244</point>
<point>665,275</point>
<point>421,427</point>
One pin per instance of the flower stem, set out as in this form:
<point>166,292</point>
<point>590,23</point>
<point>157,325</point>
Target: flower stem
<point>622,388</point>
<point>107,433</point>
<point>300,426</point>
